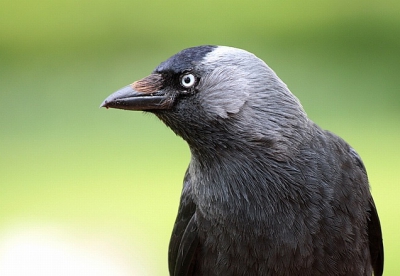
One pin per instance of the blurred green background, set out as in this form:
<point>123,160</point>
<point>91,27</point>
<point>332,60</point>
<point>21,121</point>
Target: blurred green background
<point>106,183</point>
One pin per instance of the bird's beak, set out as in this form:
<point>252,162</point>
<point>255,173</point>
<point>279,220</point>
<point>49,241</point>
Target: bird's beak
<point>144,94</point>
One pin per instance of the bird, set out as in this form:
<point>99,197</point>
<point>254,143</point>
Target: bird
<point>266,191</point>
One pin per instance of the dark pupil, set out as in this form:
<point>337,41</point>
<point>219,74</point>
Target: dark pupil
<point>186,80</point>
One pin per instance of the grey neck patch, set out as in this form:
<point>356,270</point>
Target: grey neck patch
<point>253,101</point>
<point>223,98</point>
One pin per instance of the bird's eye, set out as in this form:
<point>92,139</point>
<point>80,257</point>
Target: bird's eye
<point>188,80</point>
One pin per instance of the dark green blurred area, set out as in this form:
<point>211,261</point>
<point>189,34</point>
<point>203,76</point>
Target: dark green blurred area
<point>65,161</point>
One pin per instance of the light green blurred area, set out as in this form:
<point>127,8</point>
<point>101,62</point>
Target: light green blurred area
<point>65,162</point>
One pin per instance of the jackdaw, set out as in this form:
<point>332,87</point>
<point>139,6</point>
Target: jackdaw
<point>267,191</point>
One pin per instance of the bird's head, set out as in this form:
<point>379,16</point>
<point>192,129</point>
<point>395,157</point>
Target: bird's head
<point>217,96</point>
